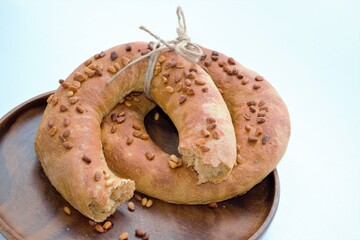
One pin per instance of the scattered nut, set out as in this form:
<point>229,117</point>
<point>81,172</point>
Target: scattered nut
<point>156,116</point>
<point>107,225</point>
<point>124,236</point>
<point>149,203</point>
<point>99,228</point>
<point>67,210</point>
<point>131,206</point>
<point>139,232</point>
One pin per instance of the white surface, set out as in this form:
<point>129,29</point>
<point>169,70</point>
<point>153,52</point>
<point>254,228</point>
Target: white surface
<point>309,50</point>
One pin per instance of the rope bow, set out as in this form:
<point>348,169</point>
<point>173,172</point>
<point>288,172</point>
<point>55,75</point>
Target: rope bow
<point>182,45</point>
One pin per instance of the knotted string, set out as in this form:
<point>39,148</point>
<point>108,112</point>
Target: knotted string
<point>182,45</point>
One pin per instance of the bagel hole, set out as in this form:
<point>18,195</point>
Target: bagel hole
<point>162,131</point>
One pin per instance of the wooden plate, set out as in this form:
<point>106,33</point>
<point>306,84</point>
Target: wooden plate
<point>31,208</point>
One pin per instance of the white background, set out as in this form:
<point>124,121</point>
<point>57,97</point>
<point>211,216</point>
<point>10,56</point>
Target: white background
<point>309,50</point>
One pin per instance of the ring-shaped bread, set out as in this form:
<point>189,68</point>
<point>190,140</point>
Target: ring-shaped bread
<point>262,128</point>
<point>68,141</point>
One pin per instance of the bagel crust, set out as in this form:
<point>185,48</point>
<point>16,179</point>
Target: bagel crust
<point>68,141</point>
<point>262,128</point>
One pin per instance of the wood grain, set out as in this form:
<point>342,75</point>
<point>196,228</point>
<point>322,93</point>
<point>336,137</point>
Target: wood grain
<point>30,208</point>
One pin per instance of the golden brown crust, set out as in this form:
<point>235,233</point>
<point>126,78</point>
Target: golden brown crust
<point>68,142</point>
<point>262,128</point>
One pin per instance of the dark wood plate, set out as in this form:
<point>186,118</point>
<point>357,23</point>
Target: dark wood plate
<point>30,208</point>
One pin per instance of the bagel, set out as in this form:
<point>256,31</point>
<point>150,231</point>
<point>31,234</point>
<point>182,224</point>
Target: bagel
<point>262,128</point>
<point>68,142</point>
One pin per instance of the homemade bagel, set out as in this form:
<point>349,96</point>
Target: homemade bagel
<point>262,128</point>
<point>68,142</point>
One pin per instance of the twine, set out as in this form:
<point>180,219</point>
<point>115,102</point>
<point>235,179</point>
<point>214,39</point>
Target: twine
<point>182,45</point>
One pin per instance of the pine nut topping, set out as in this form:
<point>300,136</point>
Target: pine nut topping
<point>86,159</point>
<point>210,120</point>
<point>205,133</point>
<point>162,59</point>
<point>80,109</point>
<point>52,131</point>
<point>113,129</point>
<point>265,139</point>
<point>66,133</point>
<point>89,72</point>
<point>176,78</point>
<point>137,134</point>
<point>73,100</point>
<point>190,92</point>
<point>258,131</point>
<point>200,142</point>
<point>164,80</point>
<point>111,69</point>
<point>187,82</point>
<point>246,116</point>
<point>200,82</point>
<point>172,164</point>
<point>244,81</point>
<point>259,78</point>
<point>252,139</point>
<point>211,126</point>
<point>216,135</point>
<point>87,62</point>
<point>128,48</point>
<point>136,126</point>
<point>66,122</point>
<point>169,89</point>
<point>150,156</point>
<point>63,108</point>
<point>251,103</point>
<point>109,182</point>
<point>174,158</point>
<point>204,148</point>
<point>106,176</point>
<point>113,56</point>
<point>260,120</point>
<point>261,113</point>
<point>256,86</point>
<point>182,99</point>
<point>231,61</point>
<point>145,136</point>
<point>51,123</point>
<point>125,60</point>
<point>68,145</point>
<point>129,140</point>
<point>128,103</point>
<point>79,77</point>
<point>261,103</point>
<point>97,176</point>
<point>117,66</point>
<point>252,109</point>
<point>120,119</point>
<point>70,93</point>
